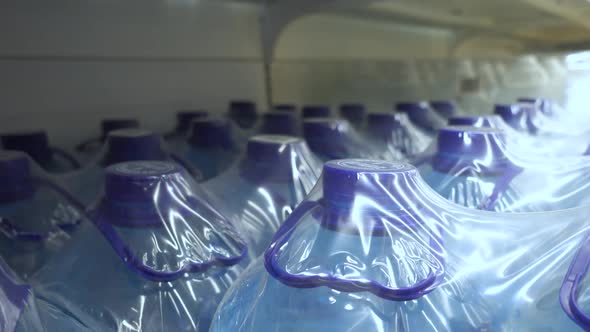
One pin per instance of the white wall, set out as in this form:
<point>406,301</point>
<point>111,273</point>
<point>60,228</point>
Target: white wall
<point>65,64</point>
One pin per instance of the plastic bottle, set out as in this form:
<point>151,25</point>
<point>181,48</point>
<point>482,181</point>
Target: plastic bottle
<point>279,123</point>
<point>315,111</point>
<point>157,257</point>
<point>36,145</point>
<point>354,113</point>
<point>37,216</point>
<point>267,182</point>
<point>243,113</point>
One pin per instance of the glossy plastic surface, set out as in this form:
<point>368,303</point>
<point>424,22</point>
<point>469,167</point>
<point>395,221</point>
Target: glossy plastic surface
<point>421,115</point>
<point>157,256</point>
<point>121,146</point>
<point>211,146</point>
<point>487,168</point>
<point>243,113</point>
<point>335,139</point>
<point>373,248</point>
<point>37,216</point>
<point>265,185</point>
<point>18,308</point>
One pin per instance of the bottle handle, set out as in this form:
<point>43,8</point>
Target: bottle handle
<point>136,264</point>
<point>69,158</point>
<point>271,256</point>
<point>570,288</point>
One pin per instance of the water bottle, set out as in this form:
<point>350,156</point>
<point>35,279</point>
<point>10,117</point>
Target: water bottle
<point>157,256</point>
<point>354,113</point>
<point>121,146</point>
<point>471,167</point>
<point>279,123</point>
<point>274,175</point>
<point>243,113</point>
<point>210,147</point>
<point>315,111</point>
<point>335,139</point>
<point>90,147</point>
<point>36,145</point>
<point>363,252</point>
<point>387,132</point>
<point>37,216</point>
<point>183,125</point>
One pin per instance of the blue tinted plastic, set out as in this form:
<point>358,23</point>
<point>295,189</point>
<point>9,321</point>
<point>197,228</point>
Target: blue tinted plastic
<point>315,111</point>
<point>36,145</point>
<point>336,139</point>
<point>37,216</point>
<point>280,123</point>
<point>211,147</point>
<point>92,145</point>
<point>444,108</point>
<point>243,113</point>
<point>19,311</point>
<point>268,181</point>
<point>373,248</point>
<point>121,146</point>
<point>168,253</point>
<point>484,168</point>
<point>354,113</point>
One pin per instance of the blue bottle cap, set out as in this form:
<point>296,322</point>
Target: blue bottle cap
<point>15,177</point>
<point>355,113</point>
<point>108,125</point>
<point>459,146</point>
<point>34,143</point>
<point>210,133</point>
<point>382,125</point>
<point>327,136</point>
<point>243,112</point>
<point>509,113</point>
<point>418,113</point>
<point>290,108</point>
<point>132,145</point>
<point>316,111</point>
<point>388,190</point>
<point>474,121</point>
<point>279,123</point>
<point>184,118</point>
<point>270,157</point>
<point>133,188</point>
<point>444,107</point>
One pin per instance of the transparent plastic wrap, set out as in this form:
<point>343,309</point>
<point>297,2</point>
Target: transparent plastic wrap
<point>37,215</point>
<point>385,132</point>
<point>373,248</point>
<point>36,145</point>
<point>422,116</point>
<point>265,185</point>
<point>157,256</point>
<point>482,168</point>
<point>211,146</point>
<point>335,139</point>
<point>18,310</point>
<point>121,146</point>
<point>91,146</point>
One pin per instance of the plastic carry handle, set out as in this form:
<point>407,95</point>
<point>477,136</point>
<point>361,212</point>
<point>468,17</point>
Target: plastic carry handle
<point>570,288</point>
<point>136,264</point>
<point>271,257</point>
<point>10,229</point>
<point>69,158</point>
